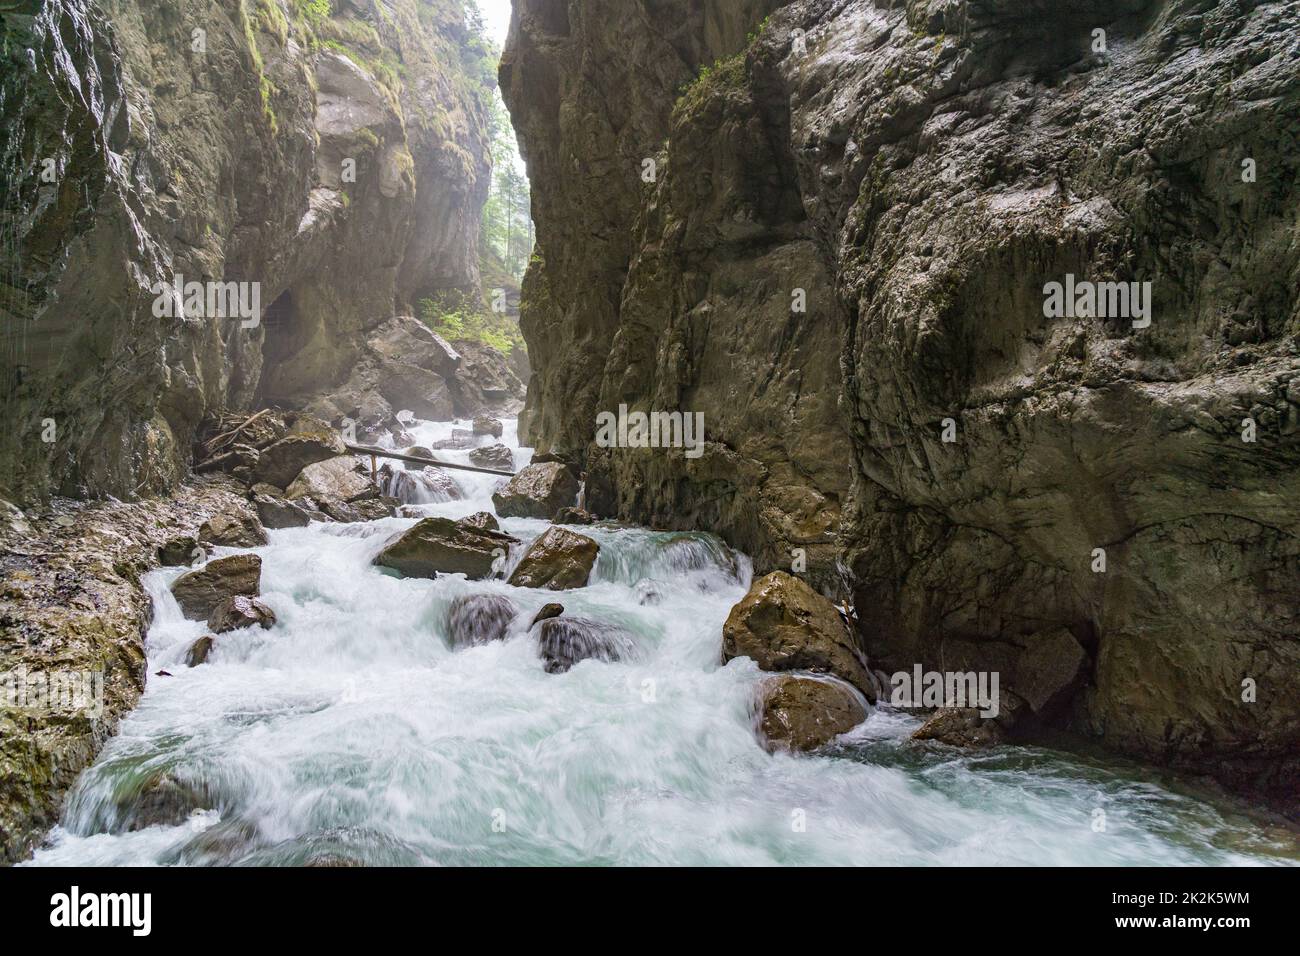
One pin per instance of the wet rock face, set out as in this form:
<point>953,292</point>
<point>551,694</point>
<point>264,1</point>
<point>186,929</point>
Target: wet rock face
<point>537,491</point>
<point>922,171</point>
<point>226,163</point>
<point>803,713</point>
<point>441,545</point>
<point>199,593</point>
<point>72,601</point>
<point>558,560</point>
<point>783,624</point>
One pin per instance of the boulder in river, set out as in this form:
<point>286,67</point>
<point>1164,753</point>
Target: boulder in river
<point>417,451</point>
<point>461,438</point>
<point>573,516</point>
<point>493,456</point>
<point>340,477</point>
<point>479,619</point>
<point>440,545</point>
<point>162,798</point>
<point>282,461</point>
<point>484,425</point>
<point>234,529</point>
<point>276,511</point>
<point>238,612</point>
<point>802,713</point>
<point>537,491</point>
<point>962,727</point>
<point>200,592</point>
<point>784,625</point>
<point>546,612</point>
<point>564,641</point>
<point>199,651</point>
<point>558,560</point>
<point>481,519</point>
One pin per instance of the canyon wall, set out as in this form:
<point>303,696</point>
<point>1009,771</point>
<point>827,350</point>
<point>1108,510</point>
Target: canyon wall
<point>335,156</point>
<point>973,468</point>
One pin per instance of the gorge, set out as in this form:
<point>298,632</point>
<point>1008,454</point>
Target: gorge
<point>823,234</point>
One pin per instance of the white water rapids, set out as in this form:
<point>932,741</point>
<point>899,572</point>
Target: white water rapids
<point>352,731</point>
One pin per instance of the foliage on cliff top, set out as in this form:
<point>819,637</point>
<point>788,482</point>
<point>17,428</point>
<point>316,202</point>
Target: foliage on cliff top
<point>458,317</point>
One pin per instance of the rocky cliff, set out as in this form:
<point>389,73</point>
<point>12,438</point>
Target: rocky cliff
<point>330,157</point>
<point>975,465</point>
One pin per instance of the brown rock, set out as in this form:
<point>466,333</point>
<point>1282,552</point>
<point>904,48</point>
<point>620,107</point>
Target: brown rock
<point>183,549</point>
<point>547,612</point>
<point>557,561</point>
<point>493,456</point>
<point>441,545</point>
<point>282,461</point>
<point>802,713</point>
<point>200,592</point>
<point>483,425</point>
<point>199,651</point>
<point>573,516</point>
<point>783,624</point>
<point>537,491</point>
<point>481,519</point>
<point>238,612</point>
<point>234,529</point>
<point>333,478</point>
<point>961,727</point>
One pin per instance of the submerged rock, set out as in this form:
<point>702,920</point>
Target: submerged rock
<point>493,456</point>
<point>557,561</point>
<point>649,592</point>
<point>200,592</point>
<point>802,713</point>
<point>238,612</point>
<point>784,625</point>
<point>481,519</point>
<point>161,799</point>
<point>441,545</point>
<point>564,641</point>
<point>537,491</point>
<point>479,619</point>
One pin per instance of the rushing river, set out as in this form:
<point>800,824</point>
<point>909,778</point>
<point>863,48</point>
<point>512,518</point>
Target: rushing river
<point>352,732</point>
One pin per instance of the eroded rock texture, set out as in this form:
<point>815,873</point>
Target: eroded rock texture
<point>338,161</point>
<point>921,170</point>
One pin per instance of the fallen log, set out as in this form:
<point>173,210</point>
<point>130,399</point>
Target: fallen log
<point>418,460</point>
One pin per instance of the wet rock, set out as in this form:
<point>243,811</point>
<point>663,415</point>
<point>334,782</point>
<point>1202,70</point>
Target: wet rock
<point>441,545</point>
<point>199,651</point>
<point>537,491</point>
<point>564,641</point>
<point>234,529</point>
<point>281,462</point>
<point>493,456</point>
<point>239,612</point>
<point>481,519</point>
<point>418,451</point>
<point>183,549</point>
<point>372,509</point>
<point>276,512</point>
<point>547,612</point>
<point>483,425</point>
<point>479,619</point>
<point>1049,671</point>
<point>343,478</point>
<point>802,713</point>
<point>573,516</point>
<point>557,561</point>
<point>783,624</point>
<point>427,486</point>
<point>961,727</point>
<point>200,592</point>
<point>461,439</point>
<point>161,799</point>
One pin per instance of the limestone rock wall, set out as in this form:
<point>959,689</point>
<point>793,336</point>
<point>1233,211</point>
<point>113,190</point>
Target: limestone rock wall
<point>338,161</point>
<point>922,170</point>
